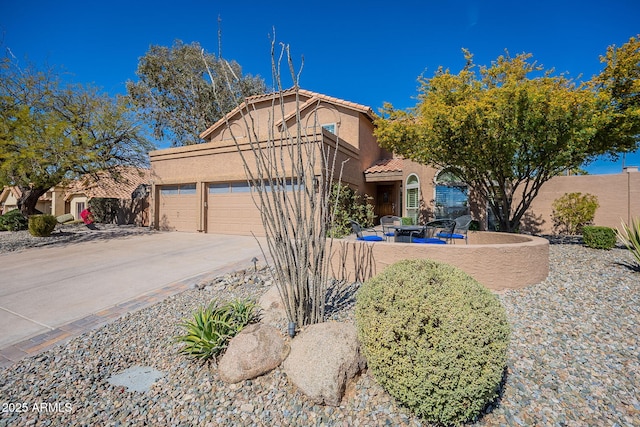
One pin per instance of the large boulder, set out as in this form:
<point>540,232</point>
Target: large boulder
<point>323,359</point>
<point>273,311</point>
<point>256,350</point>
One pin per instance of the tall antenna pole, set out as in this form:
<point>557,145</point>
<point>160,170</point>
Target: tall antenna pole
<point>219,37</point>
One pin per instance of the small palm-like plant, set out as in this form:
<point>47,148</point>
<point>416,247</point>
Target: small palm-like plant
<point>630,236</point>
<point>209,331</point>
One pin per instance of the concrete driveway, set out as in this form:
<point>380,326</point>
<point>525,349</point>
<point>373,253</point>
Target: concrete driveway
<point>43,289</point>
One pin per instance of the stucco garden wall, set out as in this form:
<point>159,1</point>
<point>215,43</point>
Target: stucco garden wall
<point>499,261</point>
<point>618,195</point>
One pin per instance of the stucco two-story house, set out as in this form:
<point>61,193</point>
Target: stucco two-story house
<point>203,187</point>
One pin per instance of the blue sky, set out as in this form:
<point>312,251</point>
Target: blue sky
<point>366,52</point>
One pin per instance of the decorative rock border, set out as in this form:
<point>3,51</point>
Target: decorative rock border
<point>499,261</point>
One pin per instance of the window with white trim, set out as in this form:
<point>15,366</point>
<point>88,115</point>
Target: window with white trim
<point>412,197</point>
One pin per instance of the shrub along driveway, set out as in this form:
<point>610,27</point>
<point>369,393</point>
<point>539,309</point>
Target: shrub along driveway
<point>44,289</point>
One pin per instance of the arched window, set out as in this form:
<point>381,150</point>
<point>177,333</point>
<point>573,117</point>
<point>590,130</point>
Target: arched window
<point>452,195</point>
<point>412,197</point>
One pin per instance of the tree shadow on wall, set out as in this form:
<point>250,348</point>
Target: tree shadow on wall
<point>531,223</point>
<point>164,224</point>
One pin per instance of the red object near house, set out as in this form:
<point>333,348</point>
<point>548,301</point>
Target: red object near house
<point>86,216</point>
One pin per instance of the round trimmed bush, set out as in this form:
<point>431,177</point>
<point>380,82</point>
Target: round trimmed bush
<point>434,338</point>
<point>597,237</point>
<point>42,225</point>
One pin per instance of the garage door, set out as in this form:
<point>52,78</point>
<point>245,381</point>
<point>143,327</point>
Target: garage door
<point>178,210</point>
<point>230,210</point>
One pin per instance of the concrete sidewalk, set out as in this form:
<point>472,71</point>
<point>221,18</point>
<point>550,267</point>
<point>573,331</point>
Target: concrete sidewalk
<point>51,294</point>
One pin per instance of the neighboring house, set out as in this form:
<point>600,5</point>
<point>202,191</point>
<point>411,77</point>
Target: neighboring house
<point>50,202</point>
<point>9,199</point>
<point>204,187</point>
<point>130,186</point>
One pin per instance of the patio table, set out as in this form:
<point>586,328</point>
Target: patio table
<point>403,232</point>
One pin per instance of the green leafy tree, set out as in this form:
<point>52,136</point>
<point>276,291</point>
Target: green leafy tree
<point>175,97</point>
<point>50,132</point>
<point>618,87</point>
<point>507,128</point>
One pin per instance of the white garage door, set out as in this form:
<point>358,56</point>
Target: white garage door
<point>178,210</point>
<point>230,210</point>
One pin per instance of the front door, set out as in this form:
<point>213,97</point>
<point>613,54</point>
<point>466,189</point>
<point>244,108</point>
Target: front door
<point>386,200</point>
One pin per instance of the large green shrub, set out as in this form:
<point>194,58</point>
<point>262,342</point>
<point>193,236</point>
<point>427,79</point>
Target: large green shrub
<point>573,211</point>
<point>104,209</point>
<point>208,333</point>
<point>42,225</point>
<point>599,237</point>
<point>13,221</point>
<point>434,338</point>
<point>348,205</point>
<point>630,236</point>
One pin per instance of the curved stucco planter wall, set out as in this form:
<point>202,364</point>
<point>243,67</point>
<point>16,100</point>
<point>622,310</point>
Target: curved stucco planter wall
<point>499,261</point>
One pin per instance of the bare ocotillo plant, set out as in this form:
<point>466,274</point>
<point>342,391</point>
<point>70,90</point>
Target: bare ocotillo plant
<point>290,170</point>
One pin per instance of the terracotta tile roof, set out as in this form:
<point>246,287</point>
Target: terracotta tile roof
<point>386,165</point>
<point>311,98</point>
<point>128,179</point>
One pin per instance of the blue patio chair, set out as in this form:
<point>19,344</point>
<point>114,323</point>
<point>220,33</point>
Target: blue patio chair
<point>460,231</point>
<point>437,227</point>
<point>357,228</point>
<point>387,222</point>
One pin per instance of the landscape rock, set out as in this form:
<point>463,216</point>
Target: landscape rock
<point>136,378</point>
<point>273,311</point>
<point>324,358</point>
<point>256,350</point>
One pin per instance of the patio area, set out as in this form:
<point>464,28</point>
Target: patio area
<point>499,261</point>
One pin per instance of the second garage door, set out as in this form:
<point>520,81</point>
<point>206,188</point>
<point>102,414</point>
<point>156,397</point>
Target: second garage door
<point>231,210</point>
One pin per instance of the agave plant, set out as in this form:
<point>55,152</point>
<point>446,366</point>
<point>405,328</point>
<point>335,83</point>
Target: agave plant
<point>209,331</point>
<point>630,236</point>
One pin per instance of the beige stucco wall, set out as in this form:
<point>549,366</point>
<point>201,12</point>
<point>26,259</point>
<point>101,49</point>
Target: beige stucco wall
<point>618,196</point>
<point>10,203</point>
<point>426,175</point>
<point>497,260</point>
<point>265,118</point>
<point>58,204</point>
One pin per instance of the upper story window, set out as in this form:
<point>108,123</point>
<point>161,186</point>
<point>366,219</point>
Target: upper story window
<point>331,127</point>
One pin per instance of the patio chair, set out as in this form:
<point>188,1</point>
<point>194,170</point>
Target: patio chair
<point>387,222</point>
<point>434,228</point>
<point>461,230</point>
<point>357,229</point>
